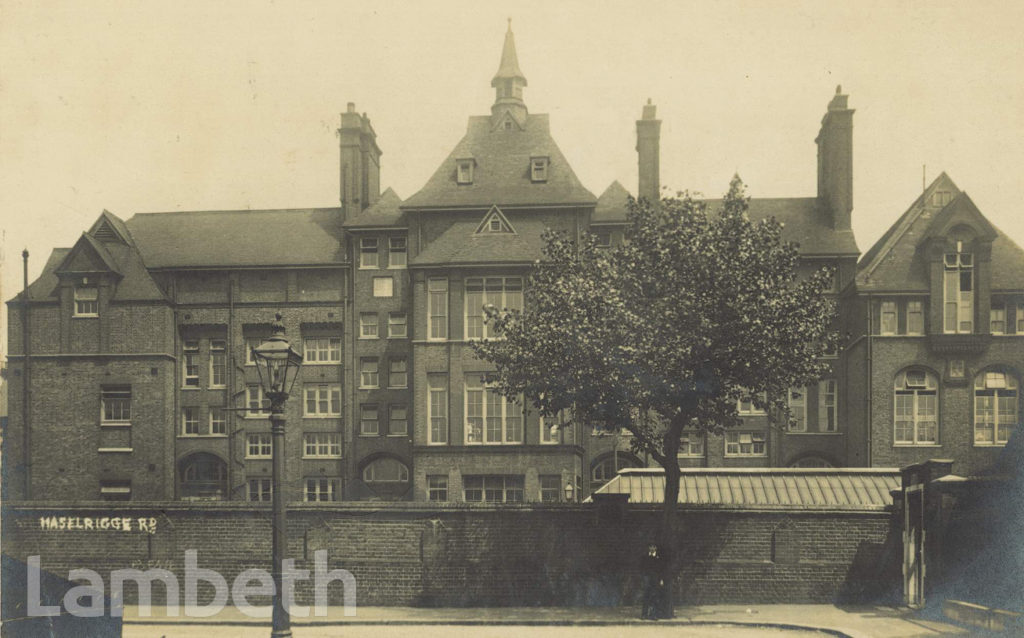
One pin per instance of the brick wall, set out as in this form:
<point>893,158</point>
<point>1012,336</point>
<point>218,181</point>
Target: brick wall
<point>464,556</point>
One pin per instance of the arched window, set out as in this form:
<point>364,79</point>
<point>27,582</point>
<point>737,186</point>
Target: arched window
<point>916,408</point>
<point>604,469</point>
<point>386,470</point>
<point>203,476</point>
<point>811,461</point>
<point>995,407</point>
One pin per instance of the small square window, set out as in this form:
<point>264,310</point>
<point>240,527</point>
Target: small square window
<point>368,325</point>
<point>260,489</point>
<point>956,368</point>
<point>437,488</point>
<point>258,446</point>
<point>383,287</point>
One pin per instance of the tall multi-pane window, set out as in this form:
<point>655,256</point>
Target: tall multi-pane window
<point>320,490</point>
<point>500,292</point>
<point>437,488</point>
<point>116,404</point>
<point>260,489</point>
<point>916,409</point>
<point>255,404</point>
<point>369,420</point>
<point>915,317</point>
<point>258,446</point>
<point>190,421</point>
<point>368,253</point>
<point>550,429</point>
<point>321,350</point>
<point>889,318</point>
<point>87,301</point>
<point>398,373</point>
<point>550,488</point>
<point>218,363</point>
<point>398,420</point>
<point>322,399</point>
<point>796,398</point>
<point>368,325</point>
<point>490,417</point>
<point>397,252</point>
<point>958,291</point>
<point>218,421</point>
<point>437,309</point>
<point>691,444</point>
<point>437,408</point>
<point>190,364</point>
<point>1020,319</point>
<point>997,319</point>
<point>745,444</point>
<point>995,407</point>
<point>369,373</point>
<point>324,445</point>
<point>493,489</point>
<point>827,405</point>
<point>398,325</point>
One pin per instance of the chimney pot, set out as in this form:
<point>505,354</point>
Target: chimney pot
<point>351,107</point>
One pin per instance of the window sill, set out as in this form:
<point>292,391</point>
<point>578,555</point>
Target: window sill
<point>217,387</point>
<point>398,387</point>
<point>817,433</point>
<point>746,456</point>
<point>361,338</point>
<point>85,316</point>
<point>396,268</point>
<point>491,444</point>
<point>202,436</point>
<point>916,445</point>
<point>364,435</point>
<point>369,268</point>
<point>398,436</point>
<point>990,445</point>
<point>104,450</point>
<point>369,387</point>
<point>259,458</point>
<point>437,443</point>
<point>115,424</point>
<point>322,458</point>
<point>398,336</point>
<point>322,363</point>
<point>190,387</point>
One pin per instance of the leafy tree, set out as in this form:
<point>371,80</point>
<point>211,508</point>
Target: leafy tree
<point>665,332</point>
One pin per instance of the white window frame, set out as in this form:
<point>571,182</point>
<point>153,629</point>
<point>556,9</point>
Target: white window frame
<point>735,442</point>
<point>260,488</point>
<point>259,445</point>
<point>396,320</point>
<point>828,404</point>
<point>218,352</point>
<point>691,445</point>
<point>549,432</point>
<point>922,389</point>
<point>464,171</point>
<point>398,252</point>
<point>915,307</point>
<point>190,420</point>
<point>437,309</point>
<point>254,394</point>
<point>999,385</point>
<point>746,407</point>
<point>369,253</point>
<point>508,485</point>
<point>116,396</point>
<point>1020,319</point>
<point>384,287</point>
<point>437,486</point>
<point>321,350</point>
<point>320,489</point>
<point>398,370</point>
<point>365,410</point>
<point>888,314</point>
<point>394,419</point>
<point>326,398</point>
<point>218,426</point>
<point>369,325</point>
<point>797,409</point>
<point>539,169</point>
<point>475,324</point>
<point>321,445</point>
<point>86,301</point>
<point>509,414</point>
<point>997,314</point>
<point>190,364</point>
<point>252,343</point>
<point>369,379</point>
<point>437,409</point>
<point>955,267</point>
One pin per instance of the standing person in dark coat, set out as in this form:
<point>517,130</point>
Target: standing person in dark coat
<point>651,568</point>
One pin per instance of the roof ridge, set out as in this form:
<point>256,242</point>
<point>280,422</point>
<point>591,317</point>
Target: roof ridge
<point>239,210</point>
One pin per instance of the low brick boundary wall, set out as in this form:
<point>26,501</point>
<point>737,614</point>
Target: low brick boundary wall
<point>412,554</point>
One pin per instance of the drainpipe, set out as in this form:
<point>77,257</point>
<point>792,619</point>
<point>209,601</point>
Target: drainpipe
<point>229,414</point>
<point>25,408</point>
<point>867,386</point>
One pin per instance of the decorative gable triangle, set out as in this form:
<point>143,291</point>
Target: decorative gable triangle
<point>961,211</point>
<point>106,230</point>
<point>495,222</point>
<point>87,256</point>
<point>507,122</point>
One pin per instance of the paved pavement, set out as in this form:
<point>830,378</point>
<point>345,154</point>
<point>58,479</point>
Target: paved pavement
<point>707,620</point>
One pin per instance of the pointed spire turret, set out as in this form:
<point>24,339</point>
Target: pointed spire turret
<point>508,82</point>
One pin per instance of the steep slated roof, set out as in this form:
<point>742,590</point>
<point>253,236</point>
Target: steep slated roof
<point>310,236</point>
<point>385,212</point>
<point>611,205</point>
<point>502,171</point>
<point>461,244</point>
<point>43,287</point>
<point>757,488</point>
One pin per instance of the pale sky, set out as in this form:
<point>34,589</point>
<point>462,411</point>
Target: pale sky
<point>137,107</point>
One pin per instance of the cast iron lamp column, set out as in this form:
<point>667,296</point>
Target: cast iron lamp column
<point>278,366</point>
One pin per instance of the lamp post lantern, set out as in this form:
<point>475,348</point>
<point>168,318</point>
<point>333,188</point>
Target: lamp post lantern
<point>570,491</point>
<point>278,366</point>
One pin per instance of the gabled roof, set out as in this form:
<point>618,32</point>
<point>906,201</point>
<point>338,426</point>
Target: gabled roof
<point>110,227</point>
<point>43,287</point>
<point>460,244</point>
<point>291,237</point>
<point>502,172</point>
<point>763,488</point>
<point>611,205</point>
<point>895,262</point>
<point>385,212</point>
<point>88,255</point>
<point>495,213</point>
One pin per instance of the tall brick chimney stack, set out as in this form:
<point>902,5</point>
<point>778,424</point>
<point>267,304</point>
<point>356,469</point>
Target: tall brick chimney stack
<point>835,161</point>
<point>648,135</point>
<point>359,169</point>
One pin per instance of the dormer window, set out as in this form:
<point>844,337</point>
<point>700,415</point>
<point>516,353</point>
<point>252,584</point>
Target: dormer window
<point>958,291</point>
<point>87,301</point>
<point>539,169</point>
<point>464,171</point>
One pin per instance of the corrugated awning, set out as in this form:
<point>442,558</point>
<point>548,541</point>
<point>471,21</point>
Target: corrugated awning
<point>797,488</point>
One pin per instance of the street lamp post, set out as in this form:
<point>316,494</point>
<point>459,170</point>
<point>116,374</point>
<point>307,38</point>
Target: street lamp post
<point>278,365</point>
